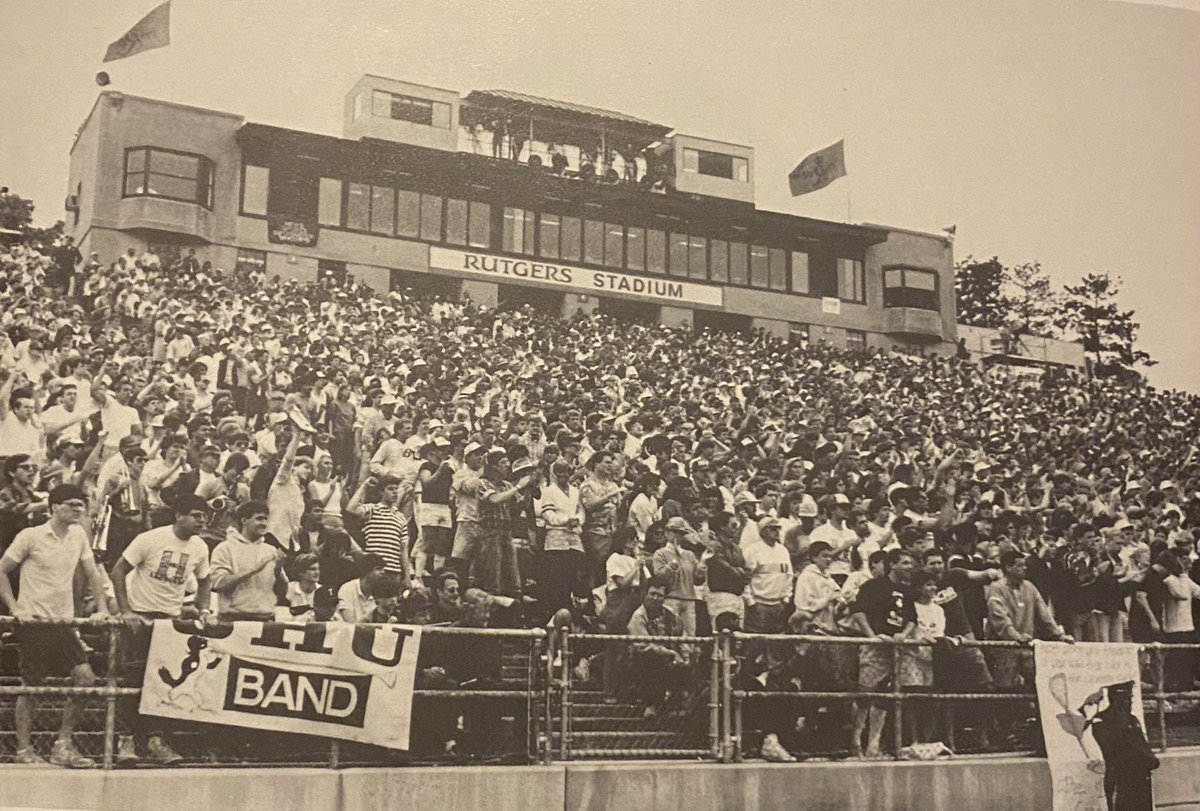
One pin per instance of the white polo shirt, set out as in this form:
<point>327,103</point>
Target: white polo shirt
<point>47,571</point>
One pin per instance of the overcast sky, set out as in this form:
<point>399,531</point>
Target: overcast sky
<point>1060,132</point>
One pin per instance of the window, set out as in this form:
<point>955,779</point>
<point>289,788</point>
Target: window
<point>852,284</point>
<point>329,201</point>
<point>518,230</point>
<point>572,232</point>
<point>431,217</point>
<point>777,260</point>
<point>411,109</point>
<point>798,335</point>
<point>550,228</point>
<point>656,251</point>
<point>822,274</point>
<point>635,248</point>
<point>479,225</point>
<point>614,245</point>
<point>759,268</point>
<point>256,180</point>
<point>697,257</point>
<point>856,340</point>
<point>456,221</point>
<point>593,242</point>
<point>679,255</point>
<point>737,263</point>
<point>408,214</point>
<point>718,252</point>
<point>358,207</point>
<point>151,172</point>
<point>250,261</point>
<point>799,272</point>
<point>383,210</point>
<point>716,164</point>
<point>910,287</point>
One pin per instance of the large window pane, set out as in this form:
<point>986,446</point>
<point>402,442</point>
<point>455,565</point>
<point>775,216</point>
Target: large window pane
<point>408,214</point>
<point>572,232</point>
<point>518,230</point>
<point>551,226</point>
<point>135,160</point>
<point>593,242</point>
<point>850,280</point>
<point>456,221</point>
<point>383,210</point>
<point>358,207</point>
<point>530,232</point>
<point>893,277</point>
<point>184,177</point>
<point>329,201</point>
<point>737,263</point>
<point>656,251</point>
<point>759,270</point>
<point>479,234</point>
<point>135,184</point>
<point>697,258</point>
<point>614,239</point>
<point>799,272</point>
<point>679,255</point>
<point>431,217</point>
<point>920,280</point>
<point>635,248</point>
<point>181,188</point>
<point>778,262</point>
<point>718,262</point>
<point>168,163</point>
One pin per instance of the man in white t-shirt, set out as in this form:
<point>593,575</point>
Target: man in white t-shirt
<point>768,597</point>
<point>20,429</point>
<point>150,581</point>
<point>836,532</point>
<point>48,556</point>
<point>64,420</point>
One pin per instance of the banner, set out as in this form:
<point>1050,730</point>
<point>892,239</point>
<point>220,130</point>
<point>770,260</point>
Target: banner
<point>152,31</point>
<point>1074,683</point>
<point>291,231</point>
<point>818,170</point>
<point>336,680</point>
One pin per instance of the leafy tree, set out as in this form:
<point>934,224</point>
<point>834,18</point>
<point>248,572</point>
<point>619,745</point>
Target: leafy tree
<point>15,211</point>
<point>978,291</point>
<point>1089,310</point>
<point>1030,301</point>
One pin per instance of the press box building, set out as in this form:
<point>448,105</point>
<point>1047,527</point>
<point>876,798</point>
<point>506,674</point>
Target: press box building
<point>511,199</point>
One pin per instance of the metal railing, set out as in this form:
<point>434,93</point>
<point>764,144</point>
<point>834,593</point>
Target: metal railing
<point>570,696</point>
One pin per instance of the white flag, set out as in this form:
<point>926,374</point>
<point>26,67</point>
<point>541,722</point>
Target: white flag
<point>152,31</point>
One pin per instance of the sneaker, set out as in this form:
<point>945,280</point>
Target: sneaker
<point>65,754</point>
<point>773,751</point>
<point>126,750</point>
<point>28,757</point>
<point>161,751</point>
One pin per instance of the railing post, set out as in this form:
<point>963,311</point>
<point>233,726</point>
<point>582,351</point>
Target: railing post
<point>335,754</point>
<point>564,719</point>
<point>898,701</point>
<point>714,700</point>
<point>726,642</point>
<point>110,702</point>
<point>1160,694</point>
<point>545,736</point>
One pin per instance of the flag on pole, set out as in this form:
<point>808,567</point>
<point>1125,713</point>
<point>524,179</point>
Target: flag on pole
<point>818,170</point>
<point>152,31</point>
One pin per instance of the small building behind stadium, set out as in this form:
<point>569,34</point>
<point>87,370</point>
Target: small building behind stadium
<point>511,199</point>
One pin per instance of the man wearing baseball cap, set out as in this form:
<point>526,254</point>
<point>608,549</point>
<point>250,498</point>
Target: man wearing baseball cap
<point>47,557</point>
<point>464,488</point>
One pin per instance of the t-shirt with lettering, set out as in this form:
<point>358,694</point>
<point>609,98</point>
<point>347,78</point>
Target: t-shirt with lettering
<point>161,563</point>
<point>886,605</point>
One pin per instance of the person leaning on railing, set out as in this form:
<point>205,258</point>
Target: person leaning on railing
<point>47,557</point>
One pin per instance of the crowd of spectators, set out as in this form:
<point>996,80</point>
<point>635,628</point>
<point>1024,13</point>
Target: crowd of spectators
<point>317,451</point>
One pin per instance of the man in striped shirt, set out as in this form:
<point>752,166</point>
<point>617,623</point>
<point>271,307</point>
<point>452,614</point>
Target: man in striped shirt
<point>385,527</point>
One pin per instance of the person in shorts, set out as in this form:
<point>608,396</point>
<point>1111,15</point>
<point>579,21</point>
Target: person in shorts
<point>436,531</point>
<point>47,556</point>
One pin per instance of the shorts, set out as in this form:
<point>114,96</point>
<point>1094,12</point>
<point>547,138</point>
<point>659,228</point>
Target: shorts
<point>437,540</point>
<point>875,668</point>
<point>434,515</point>
<point>48,650</point>
<point>467,540</point>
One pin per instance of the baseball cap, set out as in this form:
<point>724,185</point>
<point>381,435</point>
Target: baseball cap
<point>472,447</point>
<point>769,521</point>
<point>677,524</point>
<point>744,497</point>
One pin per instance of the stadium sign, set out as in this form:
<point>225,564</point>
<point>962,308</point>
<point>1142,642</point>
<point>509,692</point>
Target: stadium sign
<point>337,680</point>
<point>571,278</point>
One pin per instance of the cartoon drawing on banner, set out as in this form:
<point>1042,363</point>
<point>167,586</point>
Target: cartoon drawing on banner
<point>196,688</point>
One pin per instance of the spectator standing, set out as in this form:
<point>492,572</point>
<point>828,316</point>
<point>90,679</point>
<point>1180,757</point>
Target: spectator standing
<point>384,529</point>
<point>771,573</point>
<point>678,568</point>
<point>245,569</point>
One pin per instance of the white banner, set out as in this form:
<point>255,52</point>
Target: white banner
<point>575,279</point>
<point>352,682</point>
<point>1071,682</point>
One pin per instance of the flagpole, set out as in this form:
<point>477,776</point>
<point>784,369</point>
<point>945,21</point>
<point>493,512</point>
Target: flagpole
<point>849,219</point>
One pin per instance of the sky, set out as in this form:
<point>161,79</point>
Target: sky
<point>1064,133</point>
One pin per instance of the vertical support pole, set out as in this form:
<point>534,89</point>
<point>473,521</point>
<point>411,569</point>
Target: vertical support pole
<point>547,700</point>
<point>737,730</point>
<point>335,754</point>
<point>726,642</point>
<point>898,701</point>
<point>110,702</point>
<point>1160,656</point>
<point>714,699</point>
<point>564,721</point>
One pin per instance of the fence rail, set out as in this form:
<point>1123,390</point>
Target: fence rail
<point>571,696</point>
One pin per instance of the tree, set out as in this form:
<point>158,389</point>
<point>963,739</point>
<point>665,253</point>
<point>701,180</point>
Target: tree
<point>978,290</point>
<point>1090,311</point>
<point>1030,301</point>
<point>15,211</point>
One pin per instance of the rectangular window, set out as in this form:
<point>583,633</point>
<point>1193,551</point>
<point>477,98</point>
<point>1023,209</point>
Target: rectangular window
<point>910,287</point>
<point>718,261</point>
<point>760,275</point>
<point>822,274</point>
<point>431,218</point>
<point>408,214</point>
<point>329,201</point>
<point>593,242</point>
<point>518,230</point>
<point>151,172</point>
<point>383,210</point>
<point>799,272</point>
<point>715,164</point>
<point>778,268</point>
<point>409,108</point>
<point>679,255</point>
<point>737,263</point>
<point>456,221</point>
<point>656,251</point>
<point>798,335</point>
<point>635,248</point>
<point>851,282</point>
<point>358,207</point>
<point>856,339</point>
<point>572,230</point>
<point>479,229</point>
<point>255,182</point>
<point>697,257</point>
<point>614,245</point>
<point>249,261</point>
<point>550,226</point>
